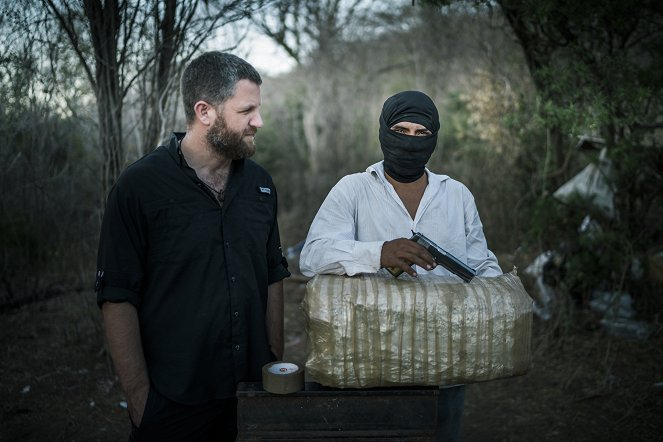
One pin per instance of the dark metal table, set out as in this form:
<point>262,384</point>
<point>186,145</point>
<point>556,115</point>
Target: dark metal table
<point>319,413</point>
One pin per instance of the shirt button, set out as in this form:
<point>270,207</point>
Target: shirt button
<point>236,314</point>
<point>236,348</point>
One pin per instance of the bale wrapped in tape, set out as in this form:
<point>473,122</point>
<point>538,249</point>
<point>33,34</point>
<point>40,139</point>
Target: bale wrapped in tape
<point>374,330</point>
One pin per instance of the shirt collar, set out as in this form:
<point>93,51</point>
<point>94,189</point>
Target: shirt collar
<point>174,148</point>
<point>377,170</point>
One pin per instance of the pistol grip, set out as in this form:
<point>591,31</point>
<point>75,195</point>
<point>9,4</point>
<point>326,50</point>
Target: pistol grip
<point>395,271</point>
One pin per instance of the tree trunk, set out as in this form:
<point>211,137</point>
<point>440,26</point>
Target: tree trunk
<point>110,139</point>
<point>104,20</point>
<point>537,53</point>
<point>162,77</point>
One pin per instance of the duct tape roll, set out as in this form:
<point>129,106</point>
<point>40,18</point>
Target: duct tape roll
<point>282,377</point>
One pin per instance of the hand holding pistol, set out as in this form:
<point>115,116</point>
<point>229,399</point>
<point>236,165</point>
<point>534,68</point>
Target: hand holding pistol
<point>441,257</point>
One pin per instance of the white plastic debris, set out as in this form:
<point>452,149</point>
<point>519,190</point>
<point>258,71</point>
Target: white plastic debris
<point>542,306</point>
<point>618,313</point>
<point>536,267</point>
<point>123,405</point>
<point>25,390</point>
<point>589,227</point>
<point>626,328</point>
<point>592,182</point>
<point>612,304</point>
<point>544,298</point>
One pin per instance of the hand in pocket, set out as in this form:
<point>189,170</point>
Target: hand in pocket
<point>137,403</point>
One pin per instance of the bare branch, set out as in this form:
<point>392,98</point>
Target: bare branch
<point>68,27</point>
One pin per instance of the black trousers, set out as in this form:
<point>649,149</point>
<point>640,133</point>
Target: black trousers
<point>165,420</point>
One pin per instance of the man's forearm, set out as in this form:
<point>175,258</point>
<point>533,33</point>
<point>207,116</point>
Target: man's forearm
<point>126,349</point>
<point>274,318</point>
<point>340,257</point>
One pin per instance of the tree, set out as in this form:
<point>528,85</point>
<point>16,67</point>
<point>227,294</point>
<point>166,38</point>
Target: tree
<point>46,220</point>
<point>591,62</point>
<point>596,66</point>
<point>313,34</point>
<point>120,43</point>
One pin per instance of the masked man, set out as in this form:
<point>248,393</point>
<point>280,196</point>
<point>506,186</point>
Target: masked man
<point>363,224</point>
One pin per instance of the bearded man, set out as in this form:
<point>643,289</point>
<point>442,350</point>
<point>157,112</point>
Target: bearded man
<point>190,270</point>
<point>362,225</point>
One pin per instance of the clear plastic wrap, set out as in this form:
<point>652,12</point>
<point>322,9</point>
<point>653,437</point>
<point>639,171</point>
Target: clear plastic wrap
<point>374,330</point>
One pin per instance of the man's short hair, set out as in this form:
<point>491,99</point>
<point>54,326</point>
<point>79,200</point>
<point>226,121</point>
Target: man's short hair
<point>212,77</point>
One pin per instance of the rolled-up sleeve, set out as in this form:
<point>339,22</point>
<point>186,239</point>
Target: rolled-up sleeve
<point>122,249</point>
<point>479,256</point>
<point>277,265</point>
<point>331,246</point>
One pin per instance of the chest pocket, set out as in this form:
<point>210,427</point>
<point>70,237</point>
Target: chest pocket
<point>252,217</point>
<point>182,231</point>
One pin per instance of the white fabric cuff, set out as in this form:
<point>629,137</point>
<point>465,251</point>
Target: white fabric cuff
<point>369,253</point>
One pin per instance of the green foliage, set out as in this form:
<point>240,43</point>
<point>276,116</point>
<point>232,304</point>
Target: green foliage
<point>596,67</point>
<point>607,253</point>
<point>456,132</point>
<point>591,250</point>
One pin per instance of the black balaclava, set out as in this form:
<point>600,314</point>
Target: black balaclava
<point>405,156</point>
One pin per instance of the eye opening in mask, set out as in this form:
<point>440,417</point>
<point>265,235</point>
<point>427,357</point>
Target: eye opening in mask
<point>411,129</point>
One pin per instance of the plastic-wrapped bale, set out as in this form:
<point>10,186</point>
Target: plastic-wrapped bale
<point>374,330</point>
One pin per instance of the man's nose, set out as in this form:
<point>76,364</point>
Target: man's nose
<point>256,121</point>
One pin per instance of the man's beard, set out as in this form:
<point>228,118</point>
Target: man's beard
<point>229,144</point>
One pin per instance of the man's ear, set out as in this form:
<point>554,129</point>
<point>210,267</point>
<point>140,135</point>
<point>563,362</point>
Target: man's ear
<point>205,113</point>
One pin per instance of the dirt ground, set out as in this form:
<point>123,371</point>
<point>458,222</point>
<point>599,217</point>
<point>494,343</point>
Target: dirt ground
<point>56,382</point>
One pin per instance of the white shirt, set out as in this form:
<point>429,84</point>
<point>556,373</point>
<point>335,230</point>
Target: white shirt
<point>363,211</point>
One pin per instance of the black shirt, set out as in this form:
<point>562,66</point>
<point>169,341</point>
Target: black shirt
<point>196,272</point>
